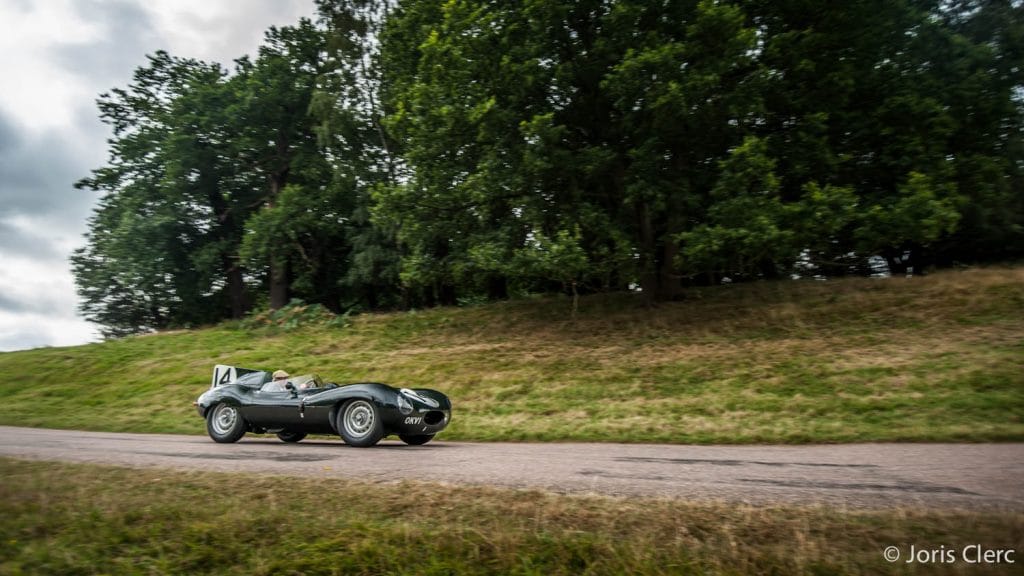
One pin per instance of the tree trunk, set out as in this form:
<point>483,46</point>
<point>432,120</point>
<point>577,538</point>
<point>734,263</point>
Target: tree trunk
<point>224,224</point>
<point>236,291</point>
<point>278,283</point>
<point>769,270</point>
<point>278,266</point>
<point>446,294</point>
<point>497,287</point>
<point>648,266</point>
<point>669,286</point>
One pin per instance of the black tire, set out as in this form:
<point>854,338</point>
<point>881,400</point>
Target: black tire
<point>225,424</point>
<point>287,436</point>
<point>359,423</point>
<point>416,439</point>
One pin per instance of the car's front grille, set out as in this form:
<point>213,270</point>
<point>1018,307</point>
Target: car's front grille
<point>433,417</point>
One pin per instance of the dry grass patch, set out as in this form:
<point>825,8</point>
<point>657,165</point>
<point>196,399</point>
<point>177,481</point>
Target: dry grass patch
<point>84,519</point>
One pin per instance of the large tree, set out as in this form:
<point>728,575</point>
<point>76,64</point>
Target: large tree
<point>898,103</point>
<point>349,113</point>
<point>162,245</point>
<point>688,140</point>
<point>293,236</point>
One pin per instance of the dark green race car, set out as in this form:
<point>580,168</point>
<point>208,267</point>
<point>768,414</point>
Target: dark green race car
<point>243,400</point>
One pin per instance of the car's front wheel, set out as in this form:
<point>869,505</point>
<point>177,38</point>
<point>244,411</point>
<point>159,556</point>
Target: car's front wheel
<point>287,436</point>
<point>224,423</point>
<point>359,423</point>
<point>416,439</point>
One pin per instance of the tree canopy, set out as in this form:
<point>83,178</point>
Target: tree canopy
<point>414,153</point>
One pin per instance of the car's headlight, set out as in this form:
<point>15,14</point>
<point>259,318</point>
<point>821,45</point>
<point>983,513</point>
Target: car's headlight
<point>404,406</point>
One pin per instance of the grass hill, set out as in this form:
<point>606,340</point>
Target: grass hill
<point>938,357</point>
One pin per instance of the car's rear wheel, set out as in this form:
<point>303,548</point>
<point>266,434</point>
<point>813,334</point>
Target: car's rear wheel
<point>287,436</point>
<point>224,424</point>
<point>416,439</point>
<point>359,423</point>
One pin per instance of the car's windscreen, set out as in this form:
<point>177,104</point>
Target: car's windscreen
<point>307,381</point>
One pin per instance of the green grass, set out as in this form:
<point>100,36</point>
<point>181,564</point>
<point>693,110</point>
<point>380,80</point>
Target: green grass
<point>936,358</point>
<point>87,519</point>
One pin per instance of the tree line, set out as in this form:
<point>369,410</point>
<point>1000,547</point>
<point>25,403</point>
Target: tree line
<point>419,153</point>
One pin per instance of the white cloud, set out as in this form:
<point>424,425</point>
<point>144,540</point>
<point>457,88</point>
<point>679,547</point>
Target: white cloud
<point>35,309</point>
<point>224,30</point>
<point>24,331</point>
<point>58,56</point>
<point>37,93</point>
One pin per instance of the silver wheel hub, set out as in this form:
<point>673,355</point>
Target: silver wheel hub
<point>224,419</point>
<point>359,418</point>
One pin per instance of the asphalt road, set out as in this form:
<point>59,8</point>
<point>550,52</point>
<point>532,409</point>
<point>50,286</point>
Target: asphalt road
<point>970,476</point>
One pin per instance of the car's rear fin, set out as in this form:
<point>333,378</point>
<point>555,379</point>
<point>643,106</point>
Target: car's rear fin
<point>224,374</point>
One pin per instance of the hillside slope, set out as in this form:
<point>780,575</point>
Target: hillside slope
<point>928,358</point>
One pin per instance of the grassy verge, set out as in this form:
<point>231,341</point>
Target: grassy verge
<point>936,358</point>
<point>86,519</point>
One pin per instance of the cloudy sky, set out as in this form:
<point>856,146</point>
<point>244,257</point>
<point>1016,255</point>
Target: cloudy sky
<point>56,57</point>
